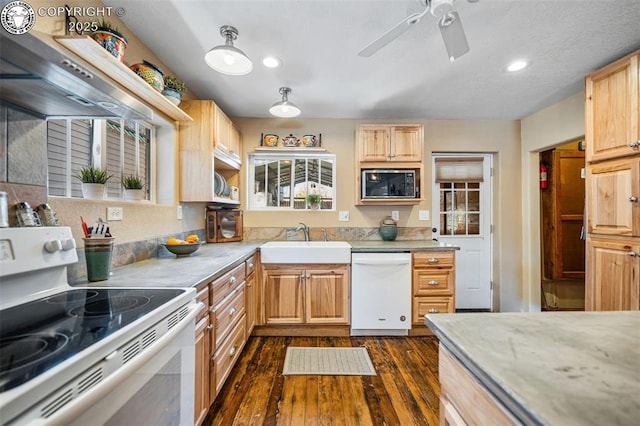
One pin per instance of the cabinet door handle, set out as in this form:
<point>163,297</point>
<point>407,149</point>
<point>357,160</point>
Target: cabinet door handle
<point>250,264</point>
<point>210,327</point>
<point>232,311</point>
<point>302,277</point>
<point>233,350</point>
<point>632,254</point>
<point>434,311</point>
<point>634,144</point>
<point>633,199</point>
<point>232,280</point>
<point>433,282</point>
<point>433,260</point>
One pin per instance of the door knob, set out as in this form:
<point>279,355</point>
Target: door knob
<point>633,199</point>
<point>434,229</point>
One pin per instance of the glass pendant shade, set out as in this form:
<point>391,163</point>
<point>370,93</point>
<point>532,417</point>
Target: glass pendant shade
<point>284,108</point>
<point>226,58</point>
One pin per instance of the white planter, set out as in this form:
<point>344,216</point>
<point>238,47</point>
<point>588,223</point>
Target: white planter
<point>94,191</point>
<point>134,194</point>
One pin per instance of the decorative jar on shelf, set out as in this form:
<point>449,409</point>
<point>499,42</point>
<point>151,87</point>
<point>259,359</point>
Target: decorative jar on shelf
<point>388,229</point>
<point>151,74</point>
<point>110,39</point>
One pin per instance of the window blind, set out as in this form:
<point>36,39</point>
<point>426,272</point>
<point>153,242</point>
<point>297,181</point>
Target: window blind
<point>459,169</point>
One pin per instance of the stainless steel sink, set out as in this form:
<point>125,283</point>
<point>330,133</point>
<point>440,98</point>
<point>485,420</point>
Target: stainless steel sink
<point>305,252</point>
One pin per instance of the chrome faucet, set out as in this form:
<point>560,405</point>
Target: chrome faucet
<point>324,234</point>
<point>305,229</point>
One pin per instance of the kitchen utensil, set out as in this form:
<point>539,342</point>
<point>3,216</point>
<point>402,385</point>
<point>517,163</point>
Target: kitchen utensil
<point>85,228</point>
<point>183,250</point>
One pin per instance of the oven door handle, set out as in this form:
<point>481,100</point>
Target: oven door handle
<point>74,409</point>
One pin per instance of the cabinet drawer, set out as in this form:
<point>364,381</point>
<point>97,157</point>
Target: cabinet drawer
<point>224,285</point>
<point>434,259</point>
<point>203,296</point>
<point>225,316</point>
<point>430,305</point>
<point>250,264</point>
<point>429,282</point>
<point>227,355</point>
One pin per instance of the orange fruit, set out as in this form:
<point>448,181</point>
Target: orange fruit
<point>193,238</point>
<point>173,241</point>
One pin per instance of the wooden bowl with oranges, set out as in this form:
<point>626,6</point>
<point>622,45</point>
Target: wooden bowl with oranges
<point>183,248</point>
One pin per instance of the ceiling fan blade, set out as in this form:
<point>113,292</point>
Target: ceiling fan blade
<point>453,35</point>
<point>392,34</point>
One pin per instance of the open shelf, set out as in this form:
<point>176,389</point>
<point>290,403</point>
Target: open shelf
<point>92,52</point>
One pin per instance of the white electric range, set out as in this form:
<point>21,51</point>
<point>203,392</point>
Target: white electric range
<point>88,355</point>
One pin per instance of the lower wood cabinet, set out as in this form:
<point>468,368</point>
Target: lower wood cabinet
<point>251,292</point>
<point>306,294</point>
<point>613,274</point>
<point>433,284</point>
<point>203,355</point>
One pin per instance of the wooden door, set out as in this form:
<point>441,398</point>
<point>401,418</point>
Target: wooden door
<point>327,296</point>
<point>406,143</point>
<point>373,143</point>
<point>611,110</point>
<point>613,197</point>
<point>222,130</point>
<point>283,295</point>
<point>613,275</point>
<point>235,144</point>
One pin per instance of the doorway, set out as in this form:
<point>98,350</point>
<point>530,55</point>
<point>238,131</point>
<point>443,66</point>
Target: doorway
<point>462,216</point>
<point>562,201</point>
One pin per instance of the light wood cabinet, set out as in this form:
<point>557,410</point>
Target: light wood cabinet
<point>613,275</point>
<point>306,294</point>
<point>612,111</point>
<point>251,292</point>
<point>612,133</point>
<point>614,197</point>
<point>401,143</point>
<point>208,144</point>
<point>433,284</point>
<point>392,147</point>
<point>203,355</point>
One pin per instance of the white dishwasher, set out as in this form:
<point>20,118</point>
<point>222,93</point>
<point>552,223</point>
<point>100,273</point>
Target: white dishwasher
<point>380,294</point>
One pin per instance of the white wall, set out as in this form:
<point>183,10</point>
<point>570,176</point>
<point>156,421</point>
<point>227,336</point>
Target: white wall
<point>554,125</point>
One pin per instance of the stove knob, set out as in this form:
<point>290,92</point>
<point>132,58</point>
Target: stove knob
<point>68,244</point>
<point>53,246</point>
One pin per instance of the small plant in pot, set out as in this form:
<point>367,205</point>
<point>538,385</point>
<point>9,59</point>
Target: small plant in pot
<point>173,89</point>
<point>133,186</point>
<point>314,201</point>
<point>94,181</point>
<point>111,39</point>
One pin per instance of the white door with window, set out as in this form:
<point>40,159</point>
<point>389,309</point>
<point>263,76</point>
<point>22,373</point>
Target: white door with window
<point>462,216</point>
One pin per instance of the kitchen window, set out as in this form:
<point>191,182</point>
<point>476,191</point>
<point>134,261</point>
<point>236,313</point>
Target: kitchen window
<point>122,147</point>
<point>282,181</point>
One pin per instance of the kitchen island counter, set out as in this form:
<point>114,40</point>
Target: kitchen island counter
<point>553,367</point>
<point>364,246</point>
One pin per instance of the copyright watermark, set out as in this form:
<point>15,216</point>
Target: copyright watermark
<point>19,17</point>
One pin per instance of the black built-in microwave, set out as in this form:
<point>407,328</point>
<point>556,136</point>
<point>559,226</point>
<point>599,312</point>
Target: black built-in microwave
<point>389,183</point>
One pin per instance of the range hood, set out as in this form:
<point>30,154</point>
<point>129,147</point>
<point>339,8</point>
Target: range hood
<point>41,77</point>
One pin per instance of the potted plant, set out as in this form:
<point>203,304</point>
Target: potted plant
<point>133,187</point>
<point>111,39</point>
<point>94,181</point>
<point>314,200</point>
<point>173,89</point>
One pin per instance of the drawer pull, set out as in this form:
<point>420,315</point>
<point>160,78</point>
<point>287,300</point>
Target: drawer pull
<point>632,254</point>
<point>232,351</point>
<point>210,327</point>
<point>633,199</point>
<point>232,280</point>
<point>434,311</point>
<point>634,144</point>
<point>433,282</point>
<point>232,311</point>
<point>433,260</point>
<point>250,264</point>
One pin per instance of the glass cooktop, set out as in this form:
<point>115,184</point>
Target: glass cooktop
<point>40,334</point>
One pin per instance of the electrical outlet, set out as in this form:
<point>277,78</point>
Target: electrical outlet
<point>343,216</point>
<point>179,213</point>
<point>423,215</point>
<point>395,215</point>
<point>114,214</point>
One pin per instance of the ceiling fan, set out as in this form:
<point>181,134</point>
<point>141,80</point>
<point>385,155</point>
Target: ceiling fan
<point>449,23</point>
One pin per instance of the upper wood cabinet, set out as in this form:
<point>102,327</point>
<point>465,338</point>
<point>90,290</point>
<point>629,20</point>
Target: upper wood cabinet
<point>613,197</point>
<point>611,110</point>
<point>402,143</point>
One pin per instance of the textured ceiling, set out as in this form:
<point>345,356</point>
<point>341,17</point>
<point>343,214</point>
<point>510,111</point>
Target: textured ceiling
<point>319,40</point>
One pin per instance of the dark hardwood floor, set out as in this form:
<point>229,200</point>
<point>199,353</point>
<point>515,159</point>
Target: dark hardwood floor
<point>404,392</point>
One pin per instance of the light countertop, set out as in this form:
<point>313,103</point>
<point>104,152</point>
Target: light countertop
<point>569,368</point>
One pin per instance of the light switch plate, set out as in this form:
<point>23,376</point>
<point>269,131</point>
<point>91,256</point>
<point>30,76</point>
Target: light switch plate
<point>114,214</point>
<point>179,213</point>
<point>423,215</point>
<point>343,216</point>
<point>395,215</point>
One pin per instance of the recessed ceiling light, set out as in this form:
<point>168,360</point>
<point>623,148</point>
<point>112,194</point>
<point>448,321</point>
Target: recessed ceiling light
<point>516,66</point>
<point>271,62</point>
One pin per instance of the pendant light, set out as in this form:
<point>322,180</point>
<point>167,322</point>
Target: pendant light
<point>284,108</point>
<point>226,58</point>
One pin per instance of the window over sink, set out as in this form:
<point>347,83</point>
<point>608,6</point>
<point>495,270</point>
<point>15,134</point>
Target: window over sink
<point>283,181</point>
